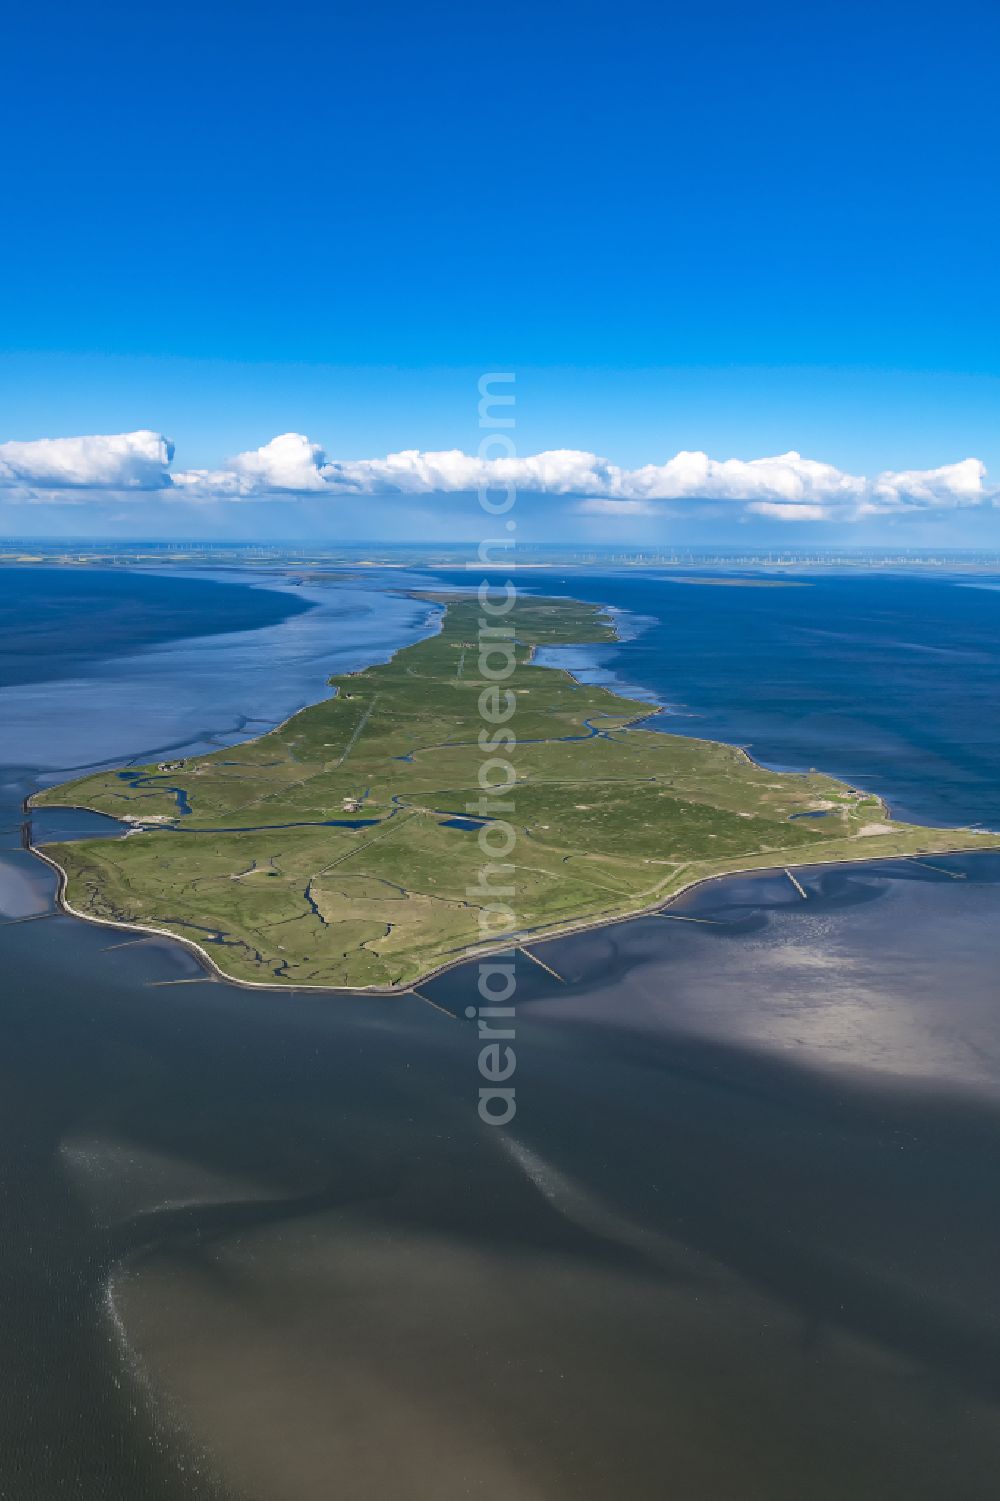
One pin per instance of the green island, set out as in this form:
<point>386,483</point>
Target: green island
<point>337,851</point>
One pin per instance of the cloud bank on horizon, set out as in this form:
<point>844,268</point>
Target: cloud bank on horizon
<point>786,487</point>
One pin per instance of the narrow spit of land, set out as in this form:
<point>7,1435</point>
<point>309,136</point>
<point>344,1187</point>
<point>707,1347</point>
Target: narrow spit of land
<point>337,850</point>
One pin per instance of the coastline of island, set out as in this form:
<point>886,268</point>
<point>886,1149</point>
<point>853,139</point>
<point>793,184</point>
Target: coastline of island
<point>613,708</point>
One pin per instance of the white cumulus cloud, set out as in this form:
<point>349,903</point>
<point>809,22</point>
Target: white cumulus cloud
<point>813,489</point>
<point>960,484</point>
<point>784,487</point>
<point>289,463</point>
<point>788,478</point>
<point>118,461</point>
<point>292,463</point>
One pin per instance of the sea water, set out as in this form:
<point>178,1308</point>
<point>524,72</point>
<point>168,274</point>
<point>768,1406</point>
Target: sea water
<point>740,1239</point>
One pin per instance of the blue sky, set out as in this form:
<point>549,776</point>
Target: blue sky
<point>723,228</point>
